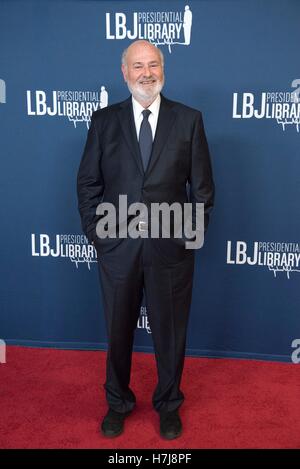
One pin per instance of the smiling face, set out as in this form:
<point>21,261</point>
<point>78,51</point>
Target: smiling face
<point>143,72</point>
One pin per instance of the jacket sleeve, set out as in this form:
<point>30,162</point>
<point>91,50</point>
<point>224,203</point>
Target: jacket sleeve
<point>202,189</point>
<point>90,184</point>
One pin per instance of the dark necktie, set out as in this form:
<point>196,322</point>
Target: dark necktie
<point>145,138</point>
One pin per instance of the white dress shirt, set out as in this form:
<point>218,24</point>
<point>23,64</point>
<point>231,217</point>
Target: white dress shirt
<point>153,117</point>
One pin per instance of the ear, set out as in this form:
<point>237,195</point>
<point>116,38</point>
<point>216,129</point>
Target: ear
<point>124,71</point>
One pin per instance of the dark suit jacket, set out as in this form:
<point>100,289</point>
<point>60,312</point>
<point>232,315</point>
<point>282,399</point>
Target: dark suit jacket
<point>111,163</point>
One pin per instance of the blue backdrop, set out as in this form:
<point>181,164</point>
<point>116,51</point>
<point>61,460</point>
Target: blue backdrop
<point>236,61</point>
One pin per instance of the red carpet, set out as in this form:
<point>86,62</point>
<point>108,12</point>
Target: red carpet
<point>54,399</point>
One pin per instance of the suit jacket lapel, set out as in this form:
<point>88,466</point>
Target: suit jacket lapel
<point>165,121</point>
<point>128,127</point>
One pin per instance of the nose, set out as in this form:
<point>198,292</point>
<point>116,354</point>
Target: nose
<point>146,71</point>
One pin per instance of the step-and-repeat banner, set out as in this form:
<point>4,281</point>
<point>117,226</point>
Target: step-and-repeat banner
<point>237,62</point>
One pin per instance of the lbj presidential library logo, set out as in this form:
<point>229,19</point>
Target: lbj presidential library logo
<point>143,322</point>
<point>281,106</point>
<point>75,248</point>
<point>277,257</point>
<point>161,28</point>
<point>76,106</point>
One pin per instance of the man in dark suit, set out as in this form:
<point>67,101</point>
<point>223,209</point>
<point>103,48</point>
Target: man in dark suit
<point>152,150</point>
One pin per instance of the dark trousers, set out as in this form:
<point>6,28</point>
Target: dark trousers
<point>127,269</point>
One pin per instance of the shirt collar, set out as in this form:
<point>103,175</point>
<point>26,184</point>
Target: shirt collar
<point>154,107</point>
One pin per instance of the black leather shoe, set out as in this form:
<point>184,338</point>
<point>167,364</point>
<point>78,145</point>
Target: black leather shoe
<point>113,423</point>
<point>170,425</point>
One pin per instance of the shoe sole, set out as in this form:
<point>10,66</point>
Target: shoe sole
<point>166,437</point>
<point>111,435</point>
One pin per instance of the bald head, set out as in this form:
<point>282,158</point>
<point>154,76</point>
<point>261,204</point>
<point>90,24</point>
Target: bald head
<point>139,47</point>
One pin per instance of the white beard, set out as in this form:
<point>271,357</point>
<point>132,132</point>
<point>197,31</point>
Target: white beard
<point>144,95</point>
